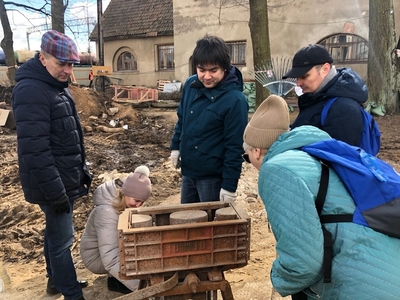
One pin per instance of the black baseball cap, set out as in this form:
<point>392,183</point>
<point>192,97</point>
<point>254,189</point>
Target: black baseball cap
<point>306,58</point>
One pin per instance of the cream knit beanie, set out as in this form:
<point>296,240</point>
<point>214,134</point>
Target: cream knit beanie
<point>137,185</point>
<point>268,122</point>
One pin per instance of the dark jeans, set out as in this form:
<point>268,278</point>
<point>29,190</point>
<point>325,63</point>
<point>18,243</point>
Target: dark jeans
<point>58,237</point>
<point>204,190</point>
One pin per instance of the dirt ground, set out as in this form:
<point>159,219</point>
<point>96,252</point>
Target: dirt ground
<point>146,141</point>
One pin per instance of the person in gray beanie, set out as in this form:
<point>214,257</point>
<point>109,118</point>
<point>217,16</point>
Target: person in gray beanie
<point>99,242</point>
<point>365,263</point>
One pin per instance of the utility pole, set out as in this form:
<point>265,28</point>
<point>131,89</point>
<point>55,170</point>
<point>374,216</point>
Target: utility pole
<point>100,39</point>
<point>88,30</point>
<point>43,27</point>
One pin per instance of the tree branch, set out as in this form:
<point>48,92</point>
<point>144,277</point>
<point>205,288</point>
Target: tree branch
<point>27,7</point>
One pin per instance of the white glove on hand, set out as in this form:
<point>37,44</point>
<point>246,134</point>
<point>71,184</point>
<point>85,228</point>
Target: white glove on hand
<point>224,195</point>
<point>175,158</point>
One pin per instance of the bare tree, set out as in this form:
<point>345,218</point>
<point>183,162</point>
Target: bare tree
<point>259,32</point>
<point>7,43</point>
<point>383,65</point>
<point>58,10</point>
<point>57,14</point>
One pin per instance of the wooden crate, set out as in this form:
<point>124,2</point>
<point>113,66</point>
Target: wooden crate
<point>160,84</point>
<point>162,247</point>
<point>134,94</point>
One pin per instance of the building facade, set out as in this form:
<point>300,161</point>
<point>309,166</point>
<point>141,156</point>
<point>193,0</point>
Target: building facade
<point>142,57</point>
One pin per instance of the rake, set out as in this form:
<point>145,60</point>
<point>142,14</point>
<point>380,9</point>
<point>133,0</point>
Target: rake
<point>270,76</point>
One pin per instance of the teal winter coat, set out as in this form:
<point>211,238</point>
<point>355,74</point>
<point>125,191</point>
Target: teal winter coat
<point>365,263</point>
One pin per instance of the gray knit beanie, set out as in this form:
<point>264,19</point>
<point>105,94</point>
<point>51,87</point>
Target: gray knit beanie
<point>269,121</point>
<point>138,185</point>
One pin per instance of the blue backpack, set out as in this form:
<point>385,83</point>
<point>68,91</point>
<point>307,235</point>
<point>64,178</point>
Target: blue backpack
<point>371,136</point>
<point>373,184</point>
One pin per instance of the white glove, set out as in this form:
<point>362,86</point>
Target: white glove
<point>175,158</point>
<point>224,195</point>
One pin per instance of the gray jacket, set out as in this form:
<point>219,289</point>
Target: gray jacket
<point>99,243</point>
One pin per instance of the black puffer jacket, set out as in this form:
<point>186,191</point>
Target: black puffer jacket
<point>344,121</point>
<point>51,152</point>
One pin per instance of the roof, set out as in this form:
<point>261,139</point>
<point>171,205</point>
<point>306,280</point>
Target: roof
<point>125,19</point>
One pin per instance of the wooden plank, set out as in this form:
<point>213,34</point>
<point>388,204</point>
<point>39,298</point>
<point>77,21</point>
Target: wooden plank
<point>161,83</point>
<point>137,94</point>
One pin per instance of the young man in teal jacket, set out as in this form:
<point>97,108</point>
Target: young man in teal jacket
<point>365,263</point>
<point>212,115</point>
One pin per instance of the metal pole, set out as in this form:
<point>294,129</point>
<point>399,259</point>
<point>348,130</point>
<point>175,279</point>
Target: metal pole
<point>100,39</point>
<point>27,39</point>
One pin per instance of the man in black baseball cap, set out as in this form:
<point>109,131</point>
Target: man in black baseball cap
<point>306,58</point>
<point>320,82</point>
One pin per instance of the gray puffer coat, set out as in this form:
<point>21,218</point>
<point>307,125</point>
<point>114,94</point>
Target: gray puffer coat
<point>99,243</point>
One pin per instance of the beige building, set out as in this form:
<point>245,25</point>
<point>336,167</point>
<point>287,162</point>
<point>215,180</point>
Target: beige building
<point>138,41</point>
<point>146,41</point>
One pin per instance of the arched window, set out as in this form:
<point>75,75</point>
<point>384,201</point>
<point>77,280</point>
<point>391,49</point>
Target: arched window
<point>346,48</point>
<point>126,62</point>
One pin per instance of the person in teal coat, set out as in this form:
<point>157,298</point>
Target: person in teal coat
<point>365,263</point>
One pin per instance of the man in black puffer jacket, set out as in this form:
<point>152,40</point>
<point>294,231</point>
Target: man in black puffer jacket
<point>51,153</point>
<point>319,82</point>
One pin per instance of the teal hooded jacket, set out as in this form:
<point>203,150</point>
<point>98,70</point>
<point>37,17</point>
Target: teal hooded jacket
<point>365,263</point>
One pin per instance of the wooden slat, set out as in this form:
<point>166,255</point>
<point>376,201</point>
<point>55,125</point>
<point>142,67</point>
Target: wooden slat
<point>160,84</point>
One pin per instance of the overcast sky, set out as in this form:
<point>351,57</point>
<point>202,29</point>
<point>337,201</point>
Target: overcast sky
<point>22,20</point>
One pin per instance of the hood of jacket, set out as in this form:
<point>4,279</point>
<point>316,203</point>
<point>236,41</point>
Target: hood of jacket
<point>235,76</point>
<point>346,83</point>
<point>33,69</point>
<point>295,139</point>
<point>232,76</point>
<point>105,194</point>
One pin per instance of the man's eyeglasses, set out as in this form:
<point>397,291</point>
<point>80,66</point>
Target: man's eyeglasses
<point>246,158</point>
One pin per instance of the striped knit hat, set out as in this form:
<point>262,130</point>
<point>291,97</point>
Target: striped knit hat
<point>60,46</point>
<point>269,121</point>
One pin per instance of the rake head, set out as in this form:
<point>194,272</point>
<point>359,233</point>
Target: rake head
<point>270,76</point>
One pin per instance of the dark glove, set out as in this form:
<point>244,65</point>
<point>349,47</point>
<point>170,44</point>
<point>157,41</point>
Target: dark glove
<point>61,205</point>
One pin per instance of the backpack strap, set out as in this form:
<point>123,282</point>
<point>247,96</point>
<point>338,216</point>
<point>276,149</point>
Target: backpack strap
<point>323,186</point>
<point>320,200</point>
<point>319,203</point>
<point>325,110</point>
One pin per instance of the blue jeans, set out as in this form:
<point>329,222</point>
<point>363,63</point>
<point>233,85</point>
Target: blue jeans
<point>58,237</point>
<point>204,190</point>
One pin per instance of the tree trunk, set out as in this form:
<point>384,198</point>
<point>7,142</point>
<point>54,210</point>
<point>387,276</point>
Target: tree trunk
<point>383,78</point>
<point>57,15</point>
<point>259,32</point>
<point>7,44</point>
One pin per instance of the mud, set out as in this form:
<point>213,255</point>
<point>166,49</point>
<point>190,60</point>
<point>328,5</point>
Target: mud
<point>146,141</point>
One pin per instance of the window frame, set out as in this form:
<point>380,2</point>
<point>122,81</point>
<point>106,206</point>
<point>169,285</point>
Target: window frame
<point>166,53</point>
<point>121,65</point>
<point>237,52</point>
<point>346,48</point>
